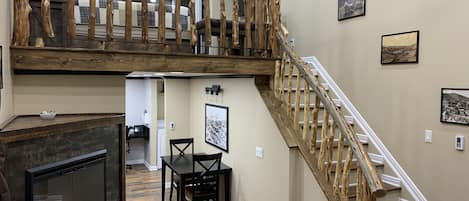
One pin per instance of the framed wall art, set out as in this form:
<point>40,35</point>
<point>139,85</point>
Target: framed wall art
<point>216,126</point>
<point>400,48</point>
<point>454,106</point>
<point>348,9</point>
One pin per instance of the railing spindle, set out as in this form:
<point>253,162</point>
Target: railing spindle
<point>128,20</point>
<point>193,25</point>
<point>161,21</point>
<point>235,25</point>
<point>46,18</point>
<point>92,20</point>
<point>177,14</point>
<point>359,188</point>
<point>260,24</point>
<point>145,21</point>
<point>248,6</point>
<point>71,25</point>
<point>330,150</point>
<point>297,104</point>
<point>208,26</point>
<point>282,75</point>
<point>322,151</point>
<point>289,86</point>
<point>314,133</point>
<point>338,167</point>
<point>109,20</point>
<point>276,79</point>
<point>222,45</point>
<point>306,110</point>
<point>346,173</point>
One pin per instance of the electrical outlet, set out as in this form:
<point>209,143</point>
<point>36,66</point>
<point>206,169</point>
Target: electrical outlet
<point>172,125</point>
<point>292,42</point>
<point>428,136</point>
<point>259,152</point>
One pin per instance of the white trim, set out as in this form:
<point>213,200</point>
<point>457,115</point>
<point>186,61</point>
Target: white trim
<point>402,199</point>
<point>409,185</point>
<point>376,158</point>
<point>151,168</point>
<point>391,180</point>
<point>362,138</point>
<point>134,162</point>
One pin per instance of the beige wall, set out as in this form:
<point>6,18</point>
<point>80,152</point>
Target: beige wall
<point>399,101</point>
<point>177,108</point>
<point>250,125</point>
<point>6,106</point>
<point>69,94</point>
<point>303,185</point>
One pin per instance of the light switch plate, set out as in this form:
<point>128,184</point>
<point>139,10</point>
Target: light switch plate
<point>259,152</point>
<point>428,136</point>
<point>459,143</point>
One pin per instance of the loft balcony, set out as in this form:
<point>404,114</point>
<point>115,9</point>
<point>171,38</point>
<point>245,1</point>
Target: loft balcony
<point>122,36</point>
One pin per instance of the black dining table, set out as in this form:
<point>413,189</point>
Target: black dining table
<point>182,165</point>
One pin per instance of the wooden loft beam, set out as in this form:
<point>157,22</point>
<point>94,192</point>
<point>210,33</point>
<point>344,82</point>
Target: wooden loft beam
<point>58,59</point>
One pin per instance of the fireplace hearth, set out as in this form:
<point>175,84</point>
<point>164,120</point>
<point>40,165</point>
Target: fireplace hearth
<point>81,178</point>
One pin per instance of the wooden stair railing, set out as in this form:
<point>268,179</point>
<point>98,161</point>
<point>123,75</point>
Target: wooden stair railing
<point>369,184</point>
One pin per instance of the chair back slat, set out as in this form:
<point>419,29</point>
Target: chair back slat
<point>181,145</point>
<point>206,181</point>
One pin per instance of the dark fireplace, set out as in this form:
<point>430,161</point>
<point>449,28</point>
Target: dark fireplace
<point>81,178</point>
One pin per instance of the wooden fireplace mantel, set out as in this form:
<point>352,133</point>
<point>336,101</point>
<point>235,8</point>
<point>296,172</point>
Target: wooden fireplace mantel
<point>29,127</point>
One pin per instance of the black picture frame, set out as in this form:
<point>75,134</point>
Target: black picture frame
<point>340,18</point>
<point>223,136</point>
<point>417,51</point>
<point>1,67</point>
<point>449,97</point>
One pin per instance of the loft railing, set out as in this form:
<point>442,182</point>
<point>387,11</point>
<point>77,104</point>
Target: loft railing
<point>143,25</point>
<point>369,184</point>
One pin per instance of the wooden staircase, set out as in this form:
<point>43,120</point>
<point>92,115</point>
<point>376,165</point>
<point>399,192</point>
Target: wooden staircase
<point>337,152</point>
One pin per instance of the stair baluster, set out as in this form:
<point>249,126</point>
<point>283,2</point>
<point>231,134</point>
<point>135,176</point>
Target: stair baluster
<point>324,137</point>
<point>306,110</point>
<point>359,189</point>
<point>346,174</point>
<point>338,167</point>
<point>330,150</point>
<point>297,103</point>
<point>109,20</point>
<point>289,86</point>
<point>277,87</point>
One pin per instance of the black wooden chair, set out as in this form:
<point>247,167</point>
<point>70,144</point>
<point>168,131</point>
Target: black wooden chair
<point>205,185</point>
<point>181,145</point>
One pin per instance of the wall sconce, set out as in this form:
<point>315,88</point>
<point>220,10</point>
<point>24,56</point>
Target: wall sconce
<point>214,89</point>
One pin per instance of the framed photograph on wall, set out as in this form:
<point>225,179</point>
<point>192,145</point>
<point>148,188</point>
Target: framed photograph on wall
<point>454,106</point>
<point>216,126</point>
<point>1,67</point>
<point>400,48</point>
<point>348,9</point>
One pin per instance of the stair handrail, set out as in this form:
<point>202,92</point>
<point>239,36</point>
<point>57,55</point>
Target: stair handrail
<point>366,165</point>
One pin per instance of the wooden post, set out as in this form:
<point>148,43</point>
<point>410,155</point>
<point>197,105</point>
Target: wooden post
<point>46,18</point>
<point>161,21</point>
<point>276,79</point>
<point>297,104</point>
<point>145,21</point>
<point>289,102</point>
<point>92,20</point>
<point>322,151</point>
<point>109,20</point>
<point>21,23</point>
<point>282,72</point>
<point>359,195</point>
<point>194,38</point>
<point>314,133</point>
<point>208,25</point>
<point>248,22</point>
<point>177,14</point>
<point>330,150</point>
<point>235,27</point>
<point>222,28</point>
<point>338,167</point>
<point>346,173</point>
<point>71,26</point>
<point>260,24</point>
<point>128,20</point>
<point>306,110</point>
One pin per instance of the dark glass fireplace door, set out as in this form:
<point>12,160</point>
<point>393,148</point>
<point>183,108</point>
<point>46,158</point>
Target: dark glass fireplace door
<point>75,181</point>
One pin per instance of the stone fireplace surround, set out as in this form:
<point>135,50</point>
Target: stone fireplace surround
<point>27,142</point>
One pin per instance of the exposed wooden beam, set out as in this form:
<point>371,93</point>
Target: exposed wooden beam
<point>58,59</point>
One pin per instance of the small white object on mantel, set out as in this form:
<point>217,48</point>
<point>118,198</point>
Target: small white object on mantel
<point>47,115</point>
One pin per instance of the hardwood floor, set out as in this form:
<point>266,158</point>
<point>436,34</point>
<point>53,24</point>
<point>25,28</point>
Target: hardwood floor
<point>143,185</point>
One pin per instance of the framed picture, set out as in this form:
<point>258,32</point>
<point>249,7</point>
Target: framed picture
<point>216,126</point>
<point>1,67</point>
<point>400,48</point>
<point>454,106</point>
<point>351,8</point>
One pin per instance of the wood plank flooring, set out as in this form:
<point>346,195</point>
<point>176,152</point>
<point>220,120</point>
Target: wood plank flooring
<point>143,185</point>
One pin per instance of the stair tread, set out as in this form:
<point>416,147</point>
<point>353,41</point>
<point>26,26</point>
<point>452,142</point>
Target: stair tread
<point>389,188</point>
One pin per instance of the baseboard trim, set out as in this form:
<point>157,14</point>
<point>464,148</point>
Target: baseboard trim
<point>134,162</point>
<point>151,168</point>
